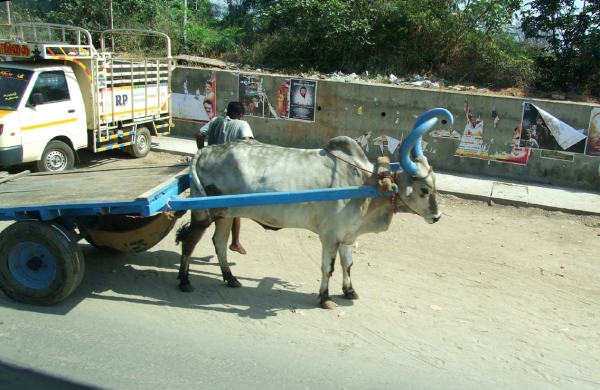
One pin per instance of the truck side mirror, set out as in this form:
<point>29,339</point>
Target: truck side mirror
<point>36,99</point>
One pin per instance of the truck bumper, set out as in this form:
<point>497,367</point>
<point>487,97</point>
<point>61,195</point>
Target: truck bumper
<point>11,156</point>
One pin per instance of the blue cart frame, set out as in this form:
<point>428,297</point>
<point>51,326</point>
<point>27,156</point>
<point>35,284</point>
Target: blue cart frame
<point>40,259</point>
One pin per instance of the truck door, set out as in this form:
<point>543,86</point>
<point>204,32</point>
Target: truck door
<point>50,112</point>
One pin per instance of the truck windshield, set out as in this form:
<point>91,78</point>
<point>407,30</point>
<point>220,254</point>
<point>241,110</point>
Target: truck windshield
<point>12,87</point>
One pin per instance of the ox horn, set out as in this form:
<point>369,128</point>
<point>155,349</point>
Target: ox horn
<point>413,140</point>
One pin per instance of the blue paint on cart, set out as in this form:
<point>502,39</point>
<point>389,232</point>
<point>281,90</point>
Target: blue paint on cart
<point>32,265</point>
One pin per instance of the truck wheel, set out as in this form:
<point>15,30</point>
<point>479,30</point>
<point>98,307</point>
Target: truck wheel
<point>57,157</point>
<point>143,143</point>
<point>40,262</point>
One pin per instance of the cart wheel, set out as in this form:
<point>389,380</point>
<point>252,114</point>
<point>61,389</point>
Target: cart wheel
<point>40,262</point>
<point>57,157</point>
<point>143,143</point>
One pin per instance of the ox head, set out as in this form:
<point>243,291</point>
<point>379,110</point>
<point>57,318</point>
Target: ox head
<point>417,191</point>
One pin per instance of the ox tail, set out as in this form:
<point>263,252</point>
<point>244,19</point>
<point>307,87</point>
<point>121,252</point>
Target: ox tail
<point>196,182</point>
<point>194,172</point>
<point>182,233</point>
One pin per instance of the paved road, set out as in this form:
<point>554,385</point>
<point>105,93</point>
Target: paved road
<point>489,298</point>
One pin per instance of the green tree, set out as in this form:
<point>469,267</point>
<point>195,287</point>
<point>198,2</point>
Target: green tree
<point>570,58</point>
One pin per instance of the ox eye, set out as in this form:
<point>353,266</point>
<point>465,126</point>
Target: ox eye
<point>424,191</point>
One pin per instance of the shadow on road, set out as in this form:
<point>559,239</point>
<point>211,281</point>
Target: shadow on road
<point>14,377</point>
<point>125,278</point>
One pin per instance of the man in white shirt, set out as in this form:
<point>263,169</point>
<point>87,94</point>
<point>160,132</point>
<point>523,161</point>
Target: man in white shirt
<point>221,130</point>
<point>303,99</point>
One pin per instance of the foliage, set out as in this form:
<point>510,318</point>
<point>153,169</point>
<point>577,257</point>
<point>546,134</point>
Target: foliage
<point>460,40</point>
<point>570,58</point>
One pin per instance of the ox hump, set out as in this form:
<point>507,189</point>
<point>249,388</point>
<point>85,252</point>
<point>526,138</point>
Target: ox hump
<point>348,146</point>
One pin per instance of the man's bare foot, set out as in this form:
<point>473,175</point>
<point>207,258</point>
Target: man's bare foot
<point>237,248</point>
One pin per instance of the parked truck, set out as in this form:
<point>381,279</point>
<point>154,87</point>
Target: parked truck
<point>59,94</point>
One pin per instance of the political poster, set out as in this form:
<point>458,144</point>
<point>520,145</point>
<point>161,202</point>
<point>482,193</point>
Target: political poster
<point>253,97</point>
<point>471,143</point>
<point>592,147</point>
<point>195,99</point>
<point>541,130</point>
<point>303,99</point>
<point>518,155</point>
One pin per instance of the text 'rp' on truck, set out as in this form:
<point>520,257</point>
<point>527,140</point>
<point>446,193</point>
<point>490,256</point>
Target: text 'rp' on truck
<point>59,94</point>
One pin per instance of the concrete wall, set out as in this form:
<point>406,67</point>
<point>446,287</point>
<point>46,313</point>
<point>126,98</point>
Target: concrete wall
<point>353,109</point>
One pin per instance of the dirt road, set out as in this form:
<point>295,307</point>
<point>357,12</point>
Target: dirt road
<point>488,298</point>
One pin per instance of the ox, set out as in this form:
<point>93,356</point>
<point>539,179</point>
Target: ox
<point>243,167</point>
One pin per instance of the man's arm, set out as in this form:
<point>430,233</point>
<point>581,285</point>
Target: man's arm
<point>245,131</point>
<point>200,140</point>
<point>200,136</point>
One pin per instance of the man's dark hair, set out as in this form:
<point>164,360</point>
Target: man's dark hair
<point>303,88</point>
<point>209,102</point>
<point>235,109</point>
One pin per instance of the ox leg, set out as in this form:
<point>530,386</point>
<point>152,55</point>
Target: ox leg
<point>346,260</point>
<point>328,261</point>
<point>189,235</point>
<point>220,238</point>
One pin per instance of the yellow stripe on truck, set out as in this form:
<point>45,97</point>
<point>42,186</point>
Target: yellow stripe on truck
<point>4,112</point>
<point>48,124</point>
<point>103,116</point>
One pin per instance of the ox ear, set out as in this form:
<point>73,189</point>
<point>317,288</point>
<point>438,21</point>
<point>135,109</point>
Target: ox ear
<point>423,167</point>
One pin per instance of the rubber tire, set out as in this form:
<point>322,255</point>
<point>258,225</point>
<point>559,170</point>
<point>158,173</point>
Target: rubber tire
<point>56,146</point>
<point>141,149</point>
<point>70,265</point>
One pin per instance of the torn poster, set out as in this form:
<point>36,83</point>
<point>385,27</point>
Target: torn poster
<point>556,155</point>
<point>471,143</point>
<point>495,116</point>
<point>444,133</point>
<point>517,155</point>
<point>540,130</point>
<point>386,141</point>
<point>363,140</point>
<point>252,96</point>
<point>592,147</point>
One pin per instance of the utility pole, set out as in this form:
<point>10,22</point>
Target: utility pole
<point>112,36</point>
<point>8,12</point>
<point>184,22</point>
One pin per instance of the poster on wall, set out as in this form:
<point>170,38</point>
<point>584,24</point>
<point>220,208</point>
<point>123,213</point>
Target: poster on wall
<point>444,133</point>
<point>198,102</point>
<point>540,130</point>
<point>592,147</point>
<point>385,142</point>
<point>471,143</point>
<point>363,140</point>
<point>303,95</point>
<point>518,155</point>
<point>252,96</point>
<point>283,99</point>
<point>556,155</point>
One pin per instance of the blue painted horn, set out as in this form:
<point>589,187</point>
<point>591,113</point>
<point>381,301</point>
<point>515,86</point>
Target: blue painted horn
<point>413,140</point>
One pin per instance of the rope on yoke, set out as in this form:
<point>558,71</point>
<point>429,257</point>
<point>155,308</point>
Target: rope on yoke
<point>385,183</point>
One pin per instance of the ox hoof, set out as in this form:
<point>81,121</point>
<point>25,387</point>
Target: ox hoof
<point>350,294</point>
<point>233,282</point>
<point>187,287</point>
<point>328,304</point>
